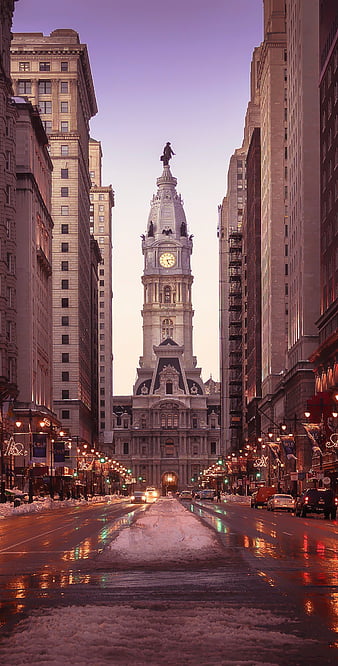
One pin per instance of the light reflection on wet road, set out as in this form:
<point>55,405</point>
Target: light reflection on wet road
<point>299,556</point>
<point>52,559</point>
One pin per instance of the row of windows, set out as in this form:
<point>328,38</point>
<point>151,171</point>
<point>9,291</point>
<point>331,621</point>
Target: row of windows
<point>44,66</point>
<point>64,126</point>
<point>169,449</point>
<point>46,107</point>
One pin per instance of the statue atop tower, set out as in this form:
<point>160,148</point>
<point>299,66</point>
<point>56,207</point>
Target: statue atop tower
<point>167,154</point>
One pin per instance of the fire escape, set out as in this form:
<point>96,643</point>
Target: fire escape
<point>235,339</point>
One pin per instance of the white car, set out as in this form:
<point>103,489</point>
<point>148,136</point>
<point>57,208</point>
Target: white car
<point>285,502</point>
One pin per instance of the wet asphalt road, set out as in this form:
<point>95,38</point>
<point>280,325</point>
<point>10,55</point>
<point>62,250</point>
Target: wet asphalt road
<point>271,561</point>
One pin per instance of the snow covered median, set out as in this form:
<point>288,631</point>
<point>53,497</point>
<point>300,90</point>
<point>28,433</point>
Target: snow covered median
<point>166,531</point>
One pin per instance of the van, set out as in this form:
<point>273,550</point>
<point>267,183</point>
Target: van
<point>261,495</point>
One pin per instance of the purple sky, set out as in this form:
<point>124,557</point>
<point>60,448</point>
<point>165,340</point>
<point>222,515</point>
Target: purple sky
<point>179,72</point>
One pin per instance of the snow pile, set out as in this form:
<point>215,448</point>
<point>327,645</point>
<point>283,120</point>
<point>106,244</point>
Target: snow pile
<point>165,532</point>
<point>158,633</point>
<point>47,504</point>
<point>237,499</point>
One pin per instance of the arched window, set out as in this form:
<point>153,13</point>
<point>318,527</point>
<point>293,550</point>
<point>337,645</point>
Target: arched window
<point>167,328</point>
<point>167,294</point>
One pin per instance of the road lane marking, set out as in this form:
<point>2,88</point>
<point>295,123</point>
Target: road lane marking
<point>288,533</point>
<point>37,536</point>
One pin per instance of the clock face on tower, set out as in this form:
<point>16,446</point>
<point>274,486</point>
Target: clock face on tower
<point>167,260</point>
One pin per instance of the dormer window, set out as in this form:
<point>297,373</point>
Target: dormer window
<point>169,388</point>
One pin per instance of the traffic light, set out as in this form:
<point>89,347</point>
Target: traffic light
<point>258,475</point>
<point>102,460</point>
<point>220,460</point>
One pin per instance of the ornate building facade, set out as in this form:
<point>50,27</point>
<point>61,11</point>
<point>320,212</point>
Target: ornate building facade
<point>168,431</point>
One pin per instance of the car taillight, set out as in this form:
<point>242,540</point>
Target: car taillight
<point>336,501</point>
<point>306,500</point>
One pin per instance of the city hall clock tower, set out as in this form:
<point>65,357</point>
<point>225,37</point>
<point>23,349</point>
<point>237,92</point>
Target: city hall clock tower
<point>167,432</point>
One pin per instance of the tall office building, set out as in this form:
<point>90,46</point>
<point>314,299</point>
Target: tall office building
<point>325,356</point>
<point>272,82</point>
<point>167,432</point>
<point>8,331</point>
<point>53,71</point>
<point>303,233</point>
<point>232,282</point>
<point>101,204</point>
<point>34,262</point>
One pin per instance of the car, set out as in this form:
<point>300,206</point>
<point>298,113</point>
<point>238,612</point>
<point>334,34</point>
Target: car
<point>186,495</point>
<point>207,494</point>
<point>138,497</point>
<point>280,501</point>
<point>317,500</point>
<point>151,494</point>
<point>260,496</point>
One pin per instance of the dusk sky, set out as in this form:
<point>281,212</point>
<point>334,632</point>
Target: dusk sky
<point>179,72</point>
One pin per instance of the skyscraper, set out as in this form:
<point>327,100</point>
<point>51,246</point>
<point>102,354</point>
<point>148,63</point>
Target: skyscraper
<point>101,204</point>
<point>167,433</point>
<point>53,71</point>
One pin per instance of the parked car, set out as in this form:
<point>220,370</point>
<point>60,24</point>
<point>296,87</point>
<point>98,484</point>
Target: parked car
<point>152,494</point>
<point>280,501</point>
<point>260,496</point>
<point>207,494</point>
<point>186,495</point>
<point>317,500</point>
<point>138,497</point>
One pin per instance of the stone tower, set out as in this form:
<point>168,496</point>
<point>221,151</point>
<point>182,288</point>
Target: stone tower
<point>167,433</point>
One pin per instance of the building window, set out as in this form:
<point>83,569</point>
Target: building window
<point>65,321</point>
<point>65,302</point>
<point>64,126</point>
<point>64,228</point>
<point>24,66</point>
<point>65,339</point>
<point>65,376</point>
<point>65,210</point>
<point>64,173</point>
<point>64,107</point>
<point>45,87</point>
<point>169,388</point>
<point>65,358</point>
<point>101,197</point>
<point>125,448</point>
<point>64,265</point>
<point>44,66</point>
<point>64,284</point>
<point>24,87</point>
<point>167,328</point>
<point>65,414</point>
<point>64,66</point>
<point>169,450</point>
<point>167,294</point>
<point>64,86</point>
<point>47,124</point>
<point>64,247</point>
<point>213,448</point>
<point>194,422</point>
<point>64,191</point>
<point>195,450</point>
<point>45,107</point>
<point>64,150</point>
<point>65,394</point>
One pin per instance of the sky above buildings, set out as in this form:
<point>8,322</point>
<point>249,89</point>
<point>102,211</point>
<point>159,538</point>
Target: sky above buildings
<point>176,71</point>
